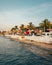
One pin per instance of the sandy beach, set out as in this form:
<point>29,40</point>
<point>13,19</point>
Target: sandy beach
<point>41,44</point>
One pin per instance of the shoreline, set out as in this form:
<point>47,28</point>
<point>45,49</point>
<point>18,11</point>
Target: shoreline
<point>27,41</point>
<point>41,44</point>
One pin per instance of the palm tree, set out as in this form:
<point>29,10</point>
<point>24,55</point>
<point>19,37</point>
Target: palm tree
<point>22,27</point>
<point>50,25</point>
<point>31,26</point>
<point>16,27</point>
<point>12,29</point>
<point>45,24</point>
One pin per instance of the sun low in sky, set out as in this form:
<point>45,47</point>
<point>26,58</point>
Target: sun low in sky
<point>17,12</point>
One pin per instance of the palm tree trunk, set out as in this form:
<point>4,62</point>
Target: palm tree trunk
<point>44,29</point>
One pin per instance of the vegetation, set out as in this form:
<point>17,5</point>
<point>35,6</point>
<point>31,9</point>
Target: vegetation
<point>14,28</point>
<point>22,26</point>
<point>45,25</point>
<point>31,26</point>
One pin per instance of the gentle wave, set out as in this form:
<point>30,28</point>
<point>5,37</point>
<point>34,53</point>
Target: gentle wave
<point>15,53</point>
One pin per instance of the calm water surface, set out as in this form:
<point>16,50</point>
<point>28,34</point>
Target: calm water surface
<point>16,53</point>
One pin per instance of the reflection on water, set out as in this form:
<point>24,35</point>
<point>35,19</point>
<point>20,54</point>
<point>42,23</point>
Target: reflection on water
<point>15,53</point>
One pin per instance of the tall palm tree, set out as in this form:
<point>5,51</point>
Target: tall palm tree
<point>12,29</point>
<point>45,24</point>
<point>50,25</point>
<point>31,26</point>
<point>22,27</point>
<point>16,27</point>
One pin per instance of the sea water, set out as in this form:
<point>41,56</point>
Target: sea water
<point>16,53</point>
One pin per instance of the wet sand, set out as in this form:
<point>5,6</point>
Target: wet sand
<point>41,44</point>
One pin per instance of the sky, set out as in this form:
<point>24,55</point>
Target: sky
<point>17,12</point>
